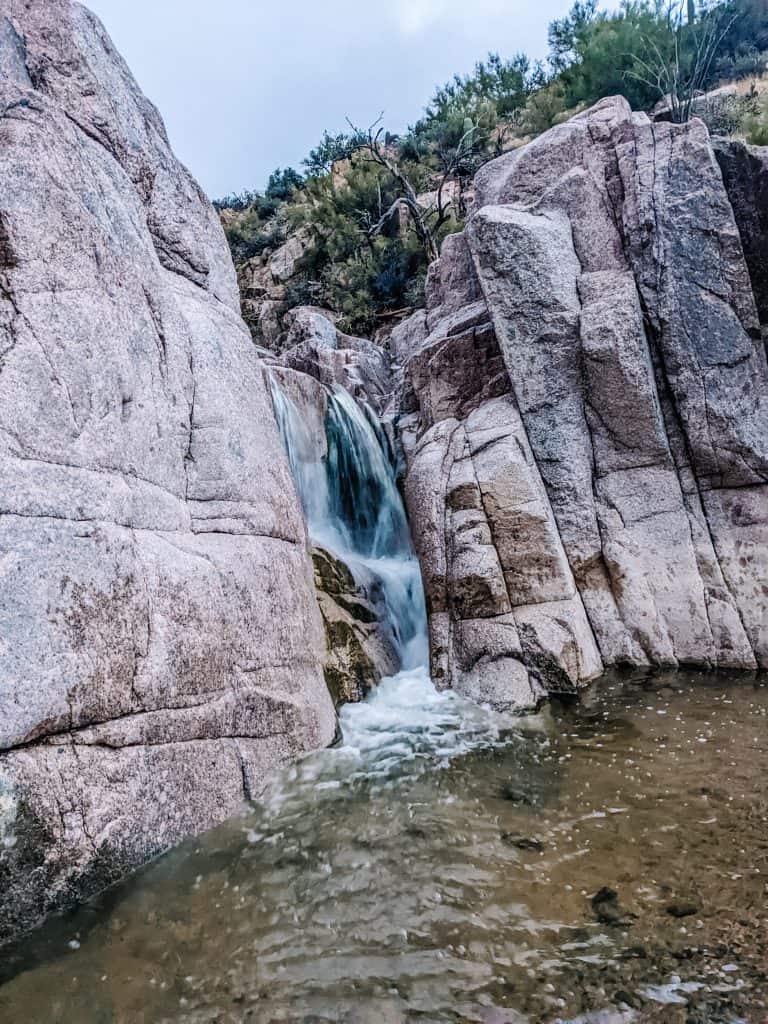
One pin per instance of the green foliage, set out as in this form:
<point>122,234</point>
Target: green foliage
<point>414,293</point>
<point>566,34</point>
<point>544,108</point>
<point>249,234</point>
<point>371,237</point>
<point>596,53</point>
<point>640,49</point>
<point>749,32</point>
<point>467,112</point>
<point>359,274</point>
<point>282,184</point>
<point>504,83</point>
<point>237,201</point>
<point>253,224</point>
<point>330,150</point>
<point>756,124</point>
<point>744,51</point>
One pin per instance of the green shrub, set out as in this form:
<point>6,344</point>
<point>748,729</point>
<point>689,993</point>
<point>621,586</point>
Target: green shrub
<point>596,53</point>
<point>371,240</point>
<point>544,108</point>
<point>755,124</point>
<point>248,235</point>
<point>331,150</point>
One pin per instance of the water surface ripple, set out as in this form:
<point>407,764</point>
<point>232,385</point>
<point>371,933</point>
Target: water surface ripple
<point>443,866</point>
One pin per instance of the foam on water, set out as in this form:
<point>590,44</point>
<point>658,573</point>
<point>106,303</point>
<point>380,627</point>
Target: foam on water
<point>403,729</point>
<point>353,508</point>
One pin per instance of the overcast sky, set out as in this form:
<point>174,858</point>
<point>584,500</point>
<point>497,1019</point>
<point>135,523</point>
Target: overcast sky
<point>249,85</point>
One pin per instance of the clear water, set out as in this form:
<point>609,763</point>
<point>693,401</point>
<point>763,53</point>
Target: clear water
<point>439,867</point>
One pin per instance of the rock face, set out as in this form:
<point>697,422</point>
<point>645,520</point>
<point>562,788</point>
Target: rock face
<point>314,345</point>
<point>359,651</point>
<point>588,458</point>
<point>160,644</point>
<point>745,173</point>
<point>507,625</point>
<point>263,287</point>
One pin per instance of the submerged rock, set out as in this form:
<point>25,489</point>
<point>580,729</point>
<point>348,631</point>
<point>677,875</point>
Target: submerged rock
<point>683,909</point>
<point>522,842</point>
<point>607,909</point>
<point>160,644</point>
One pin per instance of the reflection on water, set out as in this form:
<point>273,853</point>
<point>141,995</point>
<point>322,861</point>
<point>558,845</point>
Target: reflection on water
<point>448,865</point>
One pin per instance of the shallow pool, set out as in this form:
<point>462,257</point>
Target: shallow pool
<point>449,865</point>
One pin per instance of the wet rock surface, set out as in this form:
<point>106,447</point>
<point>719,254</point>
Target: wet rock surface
<point>359,649</point>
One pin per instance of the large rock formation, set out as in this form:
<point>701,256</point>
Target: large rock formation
<point>506,621</point>
<point>263,281</point>
<point>314,345</point>
<point>160,644</point>
<point>588,458</point>
<point>745,173</point>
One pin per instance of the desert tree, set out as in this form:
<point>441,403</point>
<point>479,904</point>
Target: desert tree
<point>427,218</point>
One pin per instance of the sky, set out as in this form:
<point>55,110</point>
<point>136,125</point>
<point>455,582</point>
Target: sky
<point>245,86</point>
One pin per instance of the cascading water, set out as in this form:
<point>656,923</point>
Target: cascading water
<point>439,864</point>
<point>353,507</point>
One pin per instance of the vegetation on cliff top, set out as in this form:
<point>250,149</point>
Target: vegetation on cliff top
<point>373,208</point>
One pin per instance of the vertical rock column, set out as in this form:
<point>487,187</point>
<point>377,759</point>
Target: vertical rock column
<point>507,623</point>
<point>604,269</point>
<point>612,266</point>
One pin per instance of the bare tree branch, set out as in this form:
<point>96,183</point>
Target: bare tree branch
<point>669,75</point>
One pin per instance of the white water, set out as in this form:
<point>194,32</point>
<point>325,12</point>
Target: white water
<point>404,729</point>
<point>353,508</point>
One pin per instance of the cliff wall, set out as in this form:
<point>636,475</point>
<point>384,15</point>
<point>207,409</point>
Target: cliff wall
<point>160,642</point>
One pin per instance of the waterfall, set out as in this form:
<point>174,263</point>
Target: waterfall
<point>362,489</point>
<point>353,507</point>
<point>307,469</point>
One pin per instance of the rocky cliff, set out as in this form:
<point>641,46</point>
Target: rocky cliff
<point>583,410</point>
<point>160,643</point>
<point>587,399</point>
